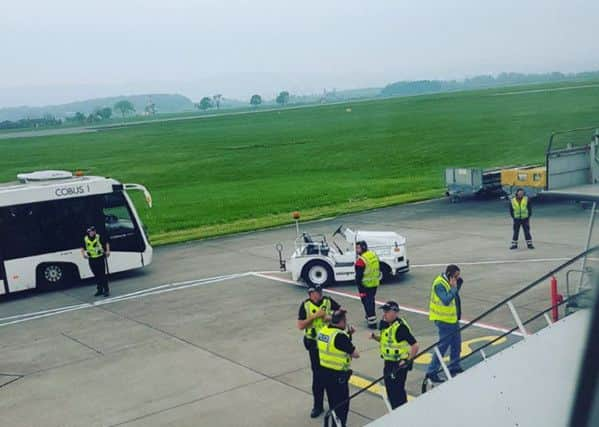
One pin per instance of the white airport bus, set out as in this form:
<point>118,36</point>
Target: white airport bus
<point>43,219</point>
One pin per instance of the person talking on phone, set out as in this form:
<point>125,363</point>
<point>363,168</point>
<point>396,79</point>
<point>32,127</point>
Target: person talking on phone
<point>445,311</point>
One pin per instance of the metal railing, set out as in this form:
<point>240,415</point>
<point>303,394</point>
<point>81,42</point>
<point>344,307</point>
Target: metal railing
<point>331,415</point>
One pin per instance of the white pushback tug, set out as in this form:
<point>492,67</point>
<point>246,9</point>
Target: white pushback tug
<point>43,218</point>
<point>316,262</point>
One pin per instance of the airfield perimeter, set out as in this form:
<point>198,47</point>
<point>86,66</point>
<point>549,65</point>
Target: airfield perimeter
<point>206,334</point>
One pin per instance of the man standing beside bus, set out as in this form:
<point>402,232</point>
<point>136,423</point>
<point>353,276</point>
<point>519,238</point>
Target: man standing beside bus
<point>96,251</point>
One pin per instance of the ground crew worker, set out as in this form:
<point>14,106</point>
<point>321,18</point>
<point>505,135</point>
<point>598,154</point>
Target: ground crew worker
<point>335,351</point>
<point>445,311</point>
<point>96,251</point>
<point>398,347</point>
<point>314,313</point>
<point>521,211</point>
<point>367,279</point>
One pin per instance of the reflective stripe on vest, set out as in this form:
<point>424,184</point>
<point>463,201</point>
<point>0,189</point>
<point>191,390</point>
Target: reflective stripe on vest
<point>93,247</point>
<point>372,271</point>
<point>318,323</point>
<point>390,348</point>
<point>520,209</point>
<point>330,356</point>
<point>438,310</point>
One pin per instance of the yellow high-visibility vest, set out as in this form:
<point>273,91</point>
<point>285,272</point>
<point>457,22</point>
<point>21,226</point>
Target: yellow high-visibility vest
<point>390,348</point>
<point>438,310</point>
<point>318,323</point>
<point>93,247</point>
<point>520,209</point>
<point>330,356</point>
<point>372,271</point>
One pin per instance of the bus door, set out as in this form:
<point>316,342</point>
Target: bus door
<point>123,233</point>
<point>3,282</point>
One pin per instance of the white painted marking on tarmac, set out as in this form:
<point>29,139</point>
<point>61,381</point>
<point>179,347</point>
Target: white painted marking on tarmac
<point>168,287</point>
<point>506,261</point>
<point>20,316</point>
<point>403,307</point>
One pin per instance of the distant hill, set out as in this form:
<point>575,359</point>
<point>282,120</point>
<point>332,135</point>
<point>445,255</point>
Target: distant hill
<point>419,87</point>
<point>164,103</point>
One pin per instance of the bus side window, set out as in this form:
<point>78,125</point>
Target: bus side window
<point>21,235</point>
<point>64,222</point>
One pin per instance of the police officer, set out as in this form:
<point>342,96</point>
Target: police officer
<point>314,313</point>
<point>445,311</point>
<point>367,280</point>
<point>521,211</point>
<point>96,251</point>
<point>335,351</point>
<point>398,347</point>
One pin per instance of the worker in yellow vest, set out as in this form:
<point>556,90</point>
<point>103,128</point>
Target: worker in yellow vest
<point>397,348</point>
<point>521,211</point>
<point>96,251</point>
<point>445,311</point>
<point>367,280</point>
<point>314,313</point>
<point>335,352</point>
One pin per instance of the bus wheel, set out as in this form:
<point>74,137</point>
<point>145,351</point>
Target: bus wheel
<point>53,276</point>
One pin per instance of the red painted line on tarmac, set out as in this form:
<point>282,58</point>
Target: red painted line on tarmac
<point>409,309</point>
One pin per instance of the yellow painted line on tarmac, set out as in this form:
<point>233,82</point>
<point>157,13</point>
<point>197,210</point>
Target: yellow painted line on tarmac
<point>378,389</point>
<point>360,382</point>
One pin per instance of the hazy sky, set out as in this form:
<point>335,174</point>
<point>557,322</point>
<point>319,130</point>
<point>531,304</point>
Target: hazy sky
<point>62,50</point>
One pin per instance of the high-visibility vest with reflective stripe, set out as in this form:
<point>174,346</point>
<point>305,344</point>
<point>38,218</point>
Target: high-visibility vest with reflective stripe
<point>372,271</point>
<point>93,247</point>
<point>318,323</point>
<point>438,310</point>
<point>330,356</point>
<point>520,209</point>
<point>390,348</point>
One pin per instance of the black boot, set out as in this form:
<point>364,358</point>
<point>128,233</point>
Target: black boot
<point>316,412</point>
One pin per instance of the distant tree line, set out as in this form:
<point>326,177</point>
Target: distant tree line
<point>418,87</point>
<point>49,120</point>
<point>99,114</point>
<point>46,121</point>
<point>208,102</point>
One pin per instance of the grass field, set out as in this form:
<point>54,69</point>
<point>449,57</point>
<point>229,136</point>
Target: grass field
<point>236,173</point>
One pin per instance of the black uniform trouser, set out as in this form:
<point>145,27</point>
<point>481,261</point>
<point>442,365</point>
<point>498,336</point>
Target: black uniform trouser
<point>98,267</point>
<point>367,296</point>
<point>395,383</point>
<point>317,383</point>
<point>525,224</point>
<point>337,388</point>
